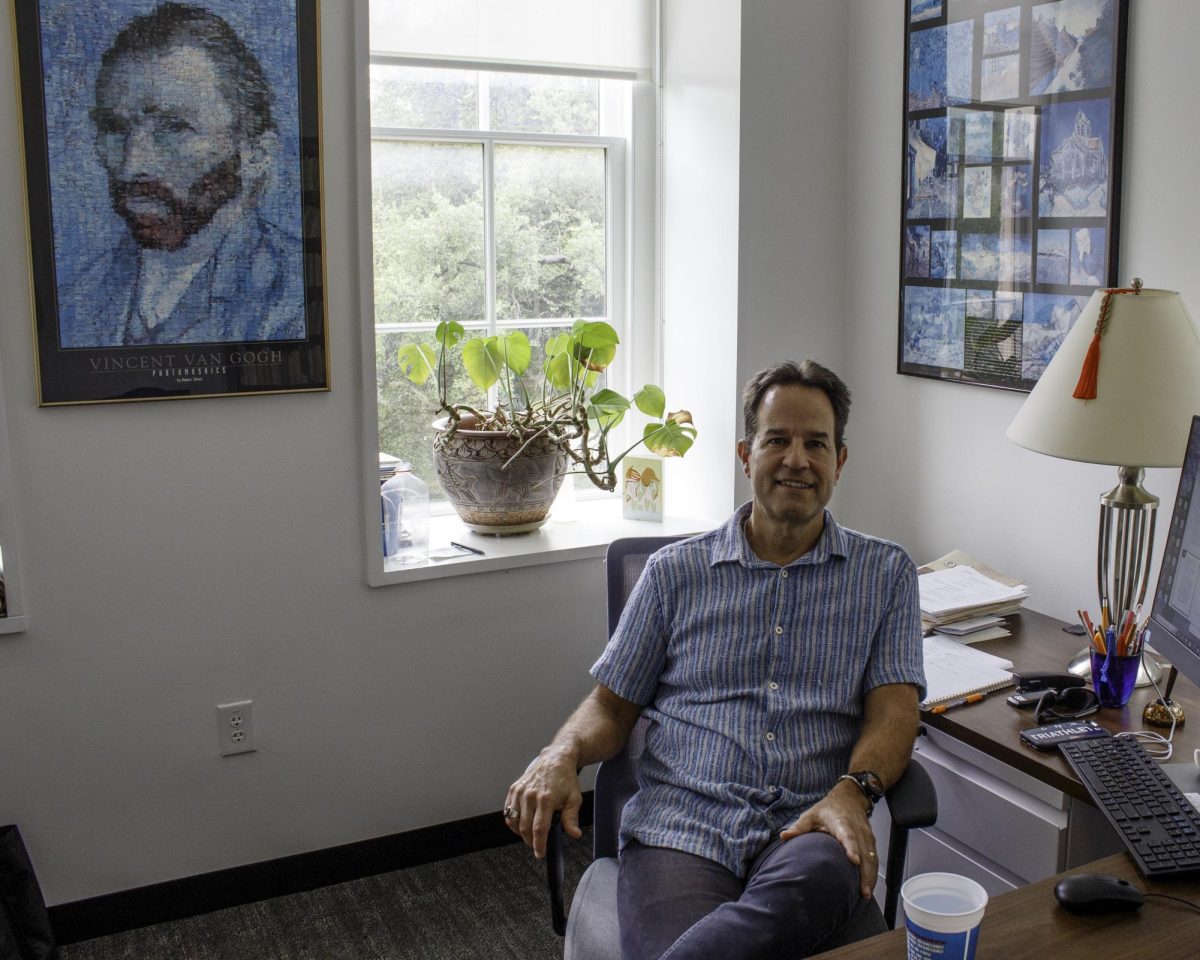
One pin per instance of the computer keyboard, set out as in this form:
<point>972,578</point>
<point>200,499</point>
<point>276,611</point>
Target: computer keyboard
<point>1160,827</point>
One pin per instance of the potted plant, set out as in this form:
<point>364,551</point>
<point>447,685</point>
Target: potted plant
<point>502,468</point>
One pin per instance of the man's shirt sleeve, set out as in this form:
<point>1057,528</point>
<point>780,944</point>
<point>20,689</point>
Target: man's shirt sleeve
<point>896,654</point>
<point>636,655</point>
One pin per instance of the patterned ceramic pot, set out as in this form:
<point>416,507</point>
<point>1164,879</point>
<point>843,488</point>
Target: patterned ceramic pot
<point>488,496</point>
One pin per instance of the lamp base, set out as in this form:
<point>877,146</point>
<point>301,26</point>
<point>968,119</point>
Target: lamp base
<point>1149,672</point>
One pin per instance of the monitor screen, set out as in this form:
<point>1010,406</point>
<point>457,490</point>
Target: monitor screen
<point>1175,621</point>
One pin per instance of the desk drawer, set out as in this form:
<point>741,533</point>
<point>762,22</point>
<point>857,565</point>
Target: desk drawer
<point>928,852</point>
<point>977,810</point>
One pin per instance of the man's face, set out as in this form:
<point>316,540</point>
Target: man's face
<point>166,137</point>
<point>791,460</point>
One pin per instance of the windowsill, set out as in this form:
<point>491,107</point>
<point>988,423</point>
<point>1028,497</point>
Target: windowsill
<point>11,625</point>
<point>597,523</point>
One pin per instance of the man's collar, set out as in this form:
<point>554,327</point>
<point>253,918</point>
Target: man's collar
<point>732,546</point>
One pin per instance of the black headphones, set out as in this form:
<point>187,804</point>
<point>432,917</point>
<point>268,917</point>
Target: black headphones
<point>1069,704</point>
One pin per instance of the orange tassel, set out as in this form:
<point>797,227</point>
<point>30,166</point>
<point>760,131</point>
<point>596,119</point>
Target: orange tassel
<point>1085,389</point>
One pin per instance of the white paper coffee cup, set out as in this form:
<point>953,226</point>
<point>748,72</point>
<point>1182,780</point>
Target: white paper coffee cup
<point>942,912</point>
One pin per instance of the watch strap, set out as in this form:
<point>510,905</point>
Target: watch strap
<point>862,780</point>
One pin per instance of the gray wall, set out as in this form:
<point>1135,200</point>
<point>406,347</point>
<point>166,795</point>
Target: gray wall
<point>929,463</point>
<point>177,555</point>
<point>180,555</point>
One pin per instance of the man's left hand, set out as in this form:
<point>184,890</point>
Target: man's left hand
<point>842,814</point>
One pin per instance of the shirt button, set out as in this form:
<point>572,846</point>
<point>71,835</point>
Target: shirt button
<point>783,573</point>
<point>778,631</point>
<point>773,685</point>
<point>770,736</point>
<point>771,788</point>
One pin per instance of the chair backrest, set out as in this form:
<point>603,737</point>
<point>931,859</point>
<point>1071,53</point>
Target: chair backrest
<point>616,781</point>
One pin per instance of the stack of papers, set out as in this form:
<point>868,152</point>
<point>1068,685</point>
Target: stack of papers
<point>966,600</point>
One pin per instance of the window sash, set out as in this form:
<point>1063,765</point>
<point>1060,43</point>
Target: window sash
<point>615,247</point>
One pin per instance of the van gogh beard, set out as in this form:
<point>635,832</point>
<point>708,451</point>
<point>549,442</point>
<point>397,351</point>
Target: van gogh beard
<point>185,216</point>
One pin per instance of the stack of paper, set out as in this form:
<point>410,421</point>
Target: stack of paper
<point>967,600</point>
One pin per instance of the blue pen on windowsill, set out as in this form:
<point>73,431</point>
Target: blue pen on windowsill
<point>463,546</point>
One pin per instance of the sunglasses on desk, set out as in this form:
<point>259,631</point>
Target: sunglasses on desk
<point>1056,705</point>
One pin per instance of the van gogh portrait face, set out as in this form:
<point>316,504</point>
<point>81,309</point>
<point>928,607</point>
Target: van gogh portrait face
<point>167,138</point>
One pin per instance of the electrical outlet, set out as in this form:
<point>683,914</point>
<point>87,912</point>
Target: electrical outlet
<point>235,727</point>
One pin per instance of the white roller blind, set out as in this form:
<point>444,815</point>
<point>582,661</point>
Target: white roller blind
<point>613,35</point>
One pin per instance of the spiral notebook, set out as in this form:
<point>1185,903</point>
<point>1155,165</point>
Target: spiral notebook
<point>954,670</point>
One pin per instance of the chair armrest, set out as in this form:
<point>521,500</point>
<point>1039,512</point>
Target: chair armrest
<point>912,800</point>
<point>555,841</point>
<point>912,803</point>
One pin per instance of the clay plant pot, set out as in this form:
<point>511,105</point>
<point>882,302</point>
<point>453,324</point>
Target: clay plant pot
<point>488,496</point>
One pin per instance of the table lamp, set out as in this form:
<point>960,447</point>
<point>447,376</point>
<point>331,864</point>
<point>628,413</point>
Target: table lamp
<point>1121,390</point>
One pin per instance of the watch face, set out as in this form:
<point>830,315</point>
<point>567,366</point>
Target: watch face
<point>871,783</point>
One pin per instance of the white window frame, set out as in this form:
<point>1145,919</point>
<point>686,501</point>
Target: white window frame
<point>633,298</point>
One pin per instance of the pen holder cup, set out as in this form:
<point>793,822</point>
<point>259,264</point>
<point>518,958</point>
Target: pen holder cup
<point>1113,678</point>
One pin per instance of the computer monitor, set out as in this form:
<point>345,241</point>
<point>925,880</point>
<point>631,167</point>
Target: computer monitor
<point>1175,619</point>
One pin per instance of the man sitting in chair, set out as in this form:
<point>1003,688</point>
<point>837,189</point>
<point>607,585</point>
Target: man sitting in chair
<point>778,661</point>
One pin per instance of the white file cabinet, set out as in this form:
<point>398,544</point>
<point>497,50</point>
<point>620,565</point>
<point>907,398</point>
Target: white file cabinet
<point>996,824</point>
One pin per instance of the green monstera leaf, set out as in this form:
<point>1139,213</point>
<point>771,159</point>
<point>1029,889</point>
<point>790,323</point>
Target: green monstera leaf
<point>417,361</point>
<point>607,407</point>
<point>673,438</point>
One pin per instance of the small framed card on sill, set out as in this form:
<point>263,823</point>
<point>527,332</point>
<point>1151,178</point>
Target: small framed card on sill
<point>643,489</point>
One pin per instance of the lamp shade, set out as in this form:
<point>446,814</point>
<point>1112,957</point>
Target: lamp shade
<point>1148,386</point>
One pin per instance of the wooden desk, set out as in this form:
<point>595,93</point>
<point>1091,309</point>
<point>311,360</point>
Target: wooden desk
<point>1028,924</point>
<point>992,726</point>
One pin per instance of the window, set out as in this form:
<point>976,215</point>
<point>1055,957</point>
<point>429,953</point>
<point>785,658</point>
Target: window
<point>497,201</point>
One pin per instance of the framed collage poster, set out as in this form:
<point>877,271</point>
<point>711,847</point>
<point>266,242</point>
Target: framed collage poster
<point>172,161</point>
<point>1010,181</point>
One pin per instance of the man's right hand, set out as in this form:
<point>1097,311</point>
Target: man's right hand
<point>549,783</point>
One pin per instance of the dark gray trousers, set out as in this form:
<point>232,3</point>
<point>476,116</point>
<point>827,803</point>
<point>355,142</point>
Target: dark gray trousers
<point>677,906</point>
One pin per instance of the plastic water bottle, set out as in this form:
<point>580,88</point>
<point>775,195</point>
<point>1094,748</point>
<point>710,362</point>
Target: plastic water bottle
<point>405,519</point>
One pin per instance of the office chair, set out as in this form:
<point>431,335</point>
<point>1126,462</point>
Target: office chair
<point>591,931</point>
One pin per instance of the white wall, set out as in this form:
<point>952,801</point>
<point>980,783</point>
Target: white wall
<point>700,108</point>
<point>791,295</point>
<point>929,463</point>
<point>179,555</point>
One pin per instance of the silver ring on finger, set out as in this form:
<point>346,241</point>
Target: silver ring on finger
<point>510,813</point>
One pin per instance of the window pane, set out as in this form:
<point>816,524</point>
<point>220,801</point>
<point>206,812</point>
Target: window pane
<point>407,410</point>
<point>543,104</point>
<point>427,98</point>
<point>427,218</point>
<point>550,255</point>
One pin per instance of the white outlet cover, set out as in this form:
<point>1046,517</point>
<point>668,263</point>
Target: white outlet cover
<point>235,728</point>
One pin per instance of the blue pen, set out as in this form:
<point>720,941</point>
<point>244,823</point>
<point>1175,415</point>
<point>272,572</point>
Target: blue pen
<point>1110,638</point>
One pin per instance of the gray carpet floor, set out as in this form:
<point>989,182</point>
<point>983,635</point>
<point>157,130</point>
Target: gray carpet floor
<point>490,905</point>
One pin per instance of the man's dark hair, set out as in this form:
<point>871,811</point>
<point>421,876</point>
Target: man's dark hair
<point>788,373</point>
<point>240,76</point>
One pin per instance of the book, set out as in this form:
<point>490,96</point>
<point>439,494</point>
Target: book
<point>954,670</point>
<point>976,636</point>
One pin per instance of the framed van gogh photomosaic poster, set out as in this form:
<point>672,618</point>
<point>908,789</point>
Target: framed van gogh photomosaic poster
<point>1010,181</point>
<point>174,194</point>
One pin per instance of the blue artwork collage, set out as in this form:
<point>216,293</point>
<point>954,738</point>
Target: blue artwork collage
<point>1010,167</point>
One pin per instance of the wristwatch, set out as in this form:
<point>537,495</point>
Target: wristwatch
<point>869,783</point>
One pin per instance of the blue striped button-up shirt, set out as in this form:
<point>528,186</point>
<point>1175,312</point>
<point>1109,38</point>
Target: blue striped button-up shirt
<point>752,678</point>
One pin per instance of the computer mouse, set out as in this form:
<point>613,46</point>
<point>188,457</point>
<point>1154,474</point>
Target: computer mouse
<point>1092,893</point>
